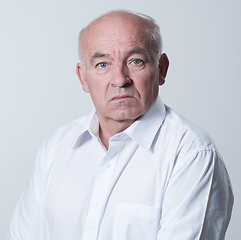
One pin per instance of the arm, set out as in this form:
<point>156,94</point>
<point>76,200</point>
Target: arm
<point>198,199</point>
<point>25,221</point>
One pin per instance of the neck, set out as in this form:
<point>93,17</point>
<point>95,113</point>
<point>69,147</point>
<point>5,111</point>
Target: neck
<point>107,129</point>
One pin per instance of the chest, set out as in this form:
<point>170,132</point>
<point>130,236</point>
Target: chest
<point>87,188</point>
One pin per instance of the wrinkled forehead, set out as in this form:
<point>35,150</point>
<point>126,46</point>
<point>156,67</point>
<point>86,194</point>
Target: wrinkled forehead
<point>113,29</point>
<point>115,22</point>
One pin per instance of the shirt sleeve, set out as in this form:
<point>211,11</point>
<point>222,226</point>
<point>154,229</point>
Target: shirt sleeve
<point>198,199</point>
<point>25,221</point>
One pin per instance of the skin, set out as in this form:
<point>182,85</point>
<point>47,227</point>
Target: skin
<point>118,72</point>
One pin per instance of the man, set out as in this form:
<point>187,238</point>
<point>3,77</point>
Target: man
<point>132,169</point>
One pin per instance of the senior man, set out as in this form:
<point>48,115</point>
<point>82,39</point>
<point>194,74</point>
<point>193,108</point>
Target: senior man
<point>133,169</point>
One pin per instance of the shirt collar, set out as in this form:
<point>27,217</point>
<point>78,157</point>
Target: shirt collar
<point>90,122</point>
<point>142,131</point>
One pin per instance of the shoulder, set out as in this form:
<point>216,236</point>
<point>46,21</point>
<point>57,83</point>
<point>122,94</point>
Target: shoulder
<point>191,145</point>
<point>58,143</point>
<point>66,134</point>
<point>187,133</point>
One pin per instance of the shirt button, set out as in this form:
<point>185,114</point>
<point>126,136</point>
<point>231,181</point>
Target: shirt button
<point>107,165</point>
<point>97,203</point>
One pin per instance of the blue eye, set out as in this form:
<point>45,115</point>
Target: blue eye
<point>102,65</point>
<point>137,61</point>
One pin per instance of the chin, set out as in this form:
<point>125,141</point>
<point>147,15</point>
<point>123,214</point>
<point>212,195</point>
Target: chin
<point>127,115</point>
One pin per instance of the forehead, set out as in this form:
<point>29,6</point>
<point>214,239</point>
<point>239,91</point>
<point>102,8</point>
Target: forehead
<point>116,33</point>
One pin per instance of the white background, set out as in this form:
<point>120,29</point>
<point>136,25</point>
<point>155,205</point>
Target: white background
<point>39,90</point>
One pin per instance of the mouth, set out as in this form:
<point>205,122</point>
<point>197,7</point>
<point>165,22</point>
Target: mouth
<point>121,97</point>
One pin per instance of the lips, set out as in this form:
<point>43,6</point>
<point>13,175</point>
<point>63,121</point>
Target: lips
<point>120,97</point>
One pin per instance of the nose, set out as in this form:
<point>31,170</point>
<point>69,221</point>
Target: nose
<point>120,78</point>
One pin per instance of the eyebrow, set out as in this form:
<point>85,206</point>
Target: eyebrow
<point>139,50</point>
<point>136,50</point>
<point>97,55</point>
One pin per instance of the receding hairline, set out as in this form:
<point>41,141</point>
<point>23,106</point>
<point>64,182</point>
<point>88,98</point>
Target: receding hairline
<point>148,26</point>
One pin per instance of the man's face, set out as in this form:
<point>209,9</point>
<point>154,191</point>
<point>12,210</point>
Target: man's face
<point>119,74</point>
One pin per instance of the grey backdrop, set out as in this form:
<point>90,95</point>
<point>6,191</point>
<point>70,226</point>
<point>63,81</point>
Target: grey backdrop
<point>39,90</point>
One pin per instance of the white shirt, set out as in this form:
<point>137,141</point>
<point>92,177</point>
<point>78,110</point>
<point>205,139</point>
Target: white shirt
<point>161,179</point>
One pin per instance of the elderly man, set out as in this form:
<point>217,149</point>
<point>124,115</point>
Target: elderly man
<point>133,169</point>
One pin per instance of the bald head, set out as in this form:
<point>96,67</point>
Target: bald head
<point>122,67</point>
<point>145,25</point>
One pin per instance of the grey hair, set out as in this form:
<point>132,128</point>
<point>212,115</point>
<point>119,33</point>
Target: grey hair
<point>150,28</point>
<point>153,35</point>
<point>80,49</point>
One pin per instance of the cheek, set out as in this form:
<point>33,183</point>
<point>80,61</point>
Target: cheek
<point>97,86</point>
<point>147,83</point>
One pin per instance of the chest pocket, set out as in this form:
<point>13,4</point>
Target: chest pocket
<point>133,221</point>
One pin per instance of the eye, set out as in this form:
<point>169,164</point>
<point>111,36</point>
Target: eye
<point>137,61</point>
<point>102,65</point>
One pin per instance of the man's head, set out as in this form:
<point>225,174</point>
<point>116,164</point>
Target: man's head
<point>122,65</point>
<point>148,26</point>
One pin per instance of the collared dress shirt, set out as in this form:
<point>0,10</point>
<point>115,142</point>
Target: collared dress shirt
<point>161,179</point>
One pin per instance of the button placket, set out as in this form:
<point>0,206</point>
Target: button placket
<point>101,191</point>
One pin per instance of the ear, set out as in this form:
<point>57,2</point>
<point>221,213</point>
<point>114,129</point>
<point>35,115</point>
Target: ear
<point>81,75</point>
<point>163,67</point>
